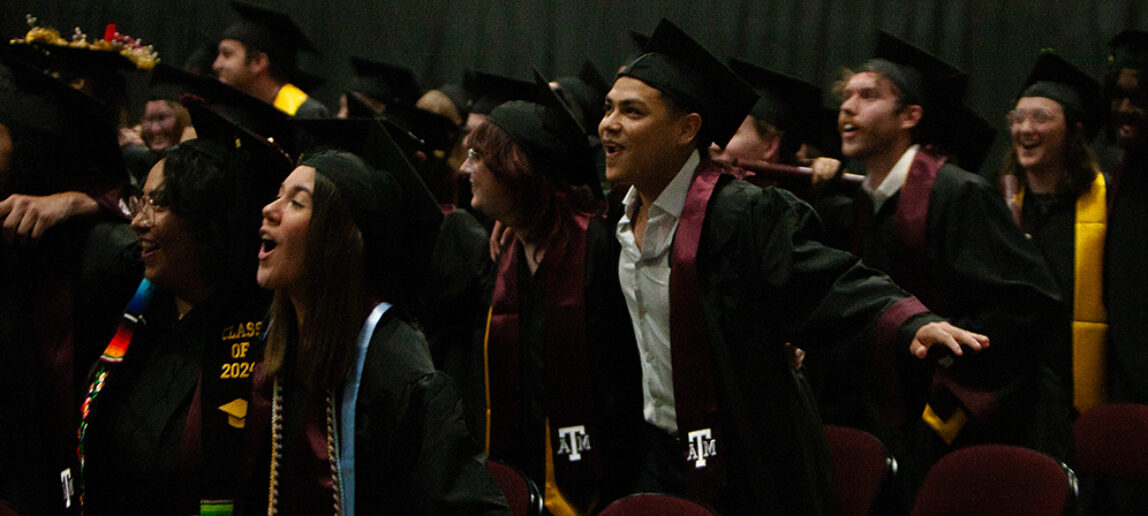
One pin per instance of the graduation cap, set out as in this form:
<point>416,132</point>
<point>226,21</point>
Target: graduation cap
<point>259,117</point>
<point>399,225</point>
<point>236,411</point>
<point>436,132</point>
<point>265,157</point>
<point>925,80</point>
<point>391,84</point>
<point>550,136</point>
<point>459,97</point>
<point>974,137</point>
<point>271,32</point>
<point>489,90</point>
<point>923,77</point>
<point>638,40</point>
<point>1129,49</point>
<point>787,103</point>
<point>678,66</point>
<point>81,128</point>
<point>585,94</point>
<point>1078,93</point>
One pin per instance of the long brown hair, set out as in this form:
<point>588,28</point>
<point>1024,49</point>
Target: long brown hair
<point>336,298</point>
<point>541,203</point>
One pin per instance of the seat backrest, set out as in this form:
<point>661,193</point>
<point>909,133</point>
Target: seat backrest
<point>521,493</point>
<point>996,479</point>
<point>861,468</point>
<point>655,504</point>
<point>1112,441</point>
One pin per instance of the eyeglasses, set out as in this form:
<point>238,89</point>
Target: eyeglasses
<point>1038,116</point>
<point>143,205</point>
<point>474,155</point>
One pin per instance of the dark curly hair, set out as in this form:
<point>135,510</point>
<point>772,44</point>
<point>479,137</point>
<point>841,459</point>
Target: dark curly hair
<point>219,195</point>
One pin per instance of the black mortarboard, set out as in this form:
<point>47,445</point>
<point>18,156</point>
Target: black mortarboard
<point>267,158</point>
<point>925,80</point>
<point>421,130</point>
<point>489,90</point>
<point>1129,49</point>
<point>272,32</point>
<point>973,137</point>
<point>391,84</point>
<point>436,132</point>
<point>585,94</point>
<point>395,211</point>
<point>787,103</point>
<point>681,68</point>
<point>257,116</point>
<point>550,136</point>
<point>638,40</point>
<point>81,128</point>
<point>459,97</point>
<point>923,77</point>
<point>1078,93</point>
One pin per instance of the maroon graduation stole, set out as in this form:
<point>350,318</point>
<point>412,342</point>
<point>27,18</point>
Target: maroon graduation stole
<point>910,223</point>
<point>695,390</point>
<point>572,420</point>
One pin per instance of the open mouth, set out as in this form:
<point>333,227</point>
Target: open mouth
<point>611,148</point>
<point>1029,145</point>
<point>848,128</point>
<point>268,245</point>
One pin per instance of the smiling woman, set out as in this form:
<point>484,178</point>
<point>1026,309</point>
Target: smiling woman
<point>1063,204</point>
<point>168,420</point>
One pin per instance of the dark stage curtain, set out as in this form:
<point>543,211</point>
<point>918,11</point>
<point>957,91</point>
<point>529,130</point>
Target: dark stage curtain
<point>995,40</point>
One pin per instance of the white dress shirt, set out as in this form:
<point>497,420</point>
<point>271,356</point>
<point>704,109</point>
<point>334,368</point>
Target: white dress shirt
<point>645,278</point>
<point>893,181</point>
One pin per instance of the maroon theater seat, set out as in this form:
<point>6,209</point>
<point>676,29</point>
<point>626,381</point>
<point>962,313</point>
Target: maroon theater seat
<point>651,504</point>
<point>995,479</point>
<point>862,467</point>
<point>521,493</point>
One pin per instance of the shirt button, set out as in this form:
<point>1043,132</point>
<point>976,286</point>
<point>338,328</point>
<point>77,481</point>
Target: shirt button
<point>649,358</point>
<point>658,404</point>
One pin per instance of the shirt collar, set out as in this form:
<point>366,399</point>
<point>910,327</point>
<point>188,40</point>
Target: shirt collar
<point>893,181</point>
<point>673,198</point>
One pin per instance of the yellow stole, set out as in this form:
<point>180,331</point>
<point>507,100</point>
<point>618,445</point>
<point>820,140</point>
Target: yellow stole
<point>1089,317</point>
<point>289,99</point>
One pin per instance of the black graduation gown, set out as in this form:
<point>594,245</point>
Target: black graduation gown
<point>1126,281</point>
<point>616,394</point>
<point>138,458</point>
<point>448,305</point>
<point>766,280</point>
<point>412,451</point>
<point>978,270</point>
<point>312,108</point>
<point>59,303</point>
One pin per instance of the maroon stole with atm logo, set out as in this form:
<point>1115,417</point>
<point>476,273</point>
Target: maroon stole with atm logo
<point>695,390</point>
<point>572,418</point>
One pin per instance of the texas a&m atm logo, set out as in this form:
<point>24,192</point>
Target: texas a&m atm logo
<point>572,441</point>
<point>701,445</point>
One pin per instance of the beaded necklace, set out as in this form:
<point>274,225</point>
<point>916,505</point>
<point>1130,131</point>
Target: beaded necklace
<point>277,450</point>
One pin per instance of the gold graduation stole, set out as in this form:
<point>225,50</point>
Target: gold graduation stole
<point>289,99</point>
<point>1089,316</point>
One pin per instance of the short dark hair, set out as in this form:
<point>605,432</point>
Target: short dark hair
<point>279,71</point>
<point>677,110</point>
<point>216,193</point>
